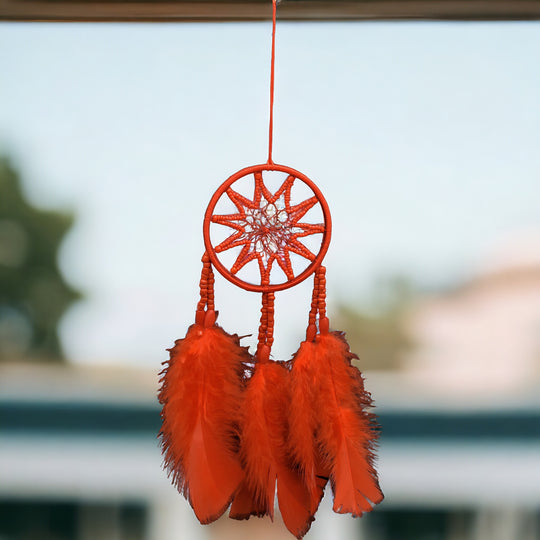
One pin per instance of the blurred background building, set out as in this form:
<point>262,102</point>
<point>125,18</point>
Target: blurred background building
<point>424,137</point>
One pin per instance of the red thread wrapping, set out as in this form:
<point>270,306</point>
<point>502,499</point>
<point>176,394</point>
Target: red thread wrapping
<point>266,328</point>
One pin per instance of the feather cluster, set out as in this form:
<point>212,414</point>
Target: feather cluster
<point>265,455</point>
<point>241,429</point>
<point>332,433</point>
<point>201,394</point>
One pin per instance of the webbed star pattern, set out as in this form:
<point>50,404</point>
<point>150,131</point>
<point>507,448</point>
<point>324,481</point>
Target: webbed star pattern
<point>268,228</point>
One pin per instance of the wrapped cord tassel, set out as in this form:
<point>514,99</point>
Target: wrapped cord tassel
<point>332,432</point>
<point>201,393</point>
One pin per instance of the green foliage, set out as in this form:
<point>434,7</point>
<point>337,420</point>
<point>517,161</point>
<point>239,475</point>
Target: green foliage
<point>376,332</point>
<point>33,293</point>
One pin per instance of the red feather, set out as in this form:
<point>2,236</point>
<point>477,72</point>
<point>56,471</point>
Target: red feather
<point>304,421</point>
<point>329,422</point>
<point>245,504</point>
<point>201,393</point>
<point>347,431</point>
<point>264,453</point>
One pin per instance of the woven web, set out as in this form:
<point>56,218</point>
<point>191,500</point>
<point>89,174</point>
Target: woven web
<point>267,228</point>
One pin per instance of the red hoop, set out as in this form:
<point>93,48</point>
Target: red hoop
<point>325,229</point>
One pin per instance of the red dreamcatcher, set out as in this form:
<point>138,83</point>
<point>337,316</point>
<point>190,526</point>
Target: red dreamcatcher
<point>239,428</point>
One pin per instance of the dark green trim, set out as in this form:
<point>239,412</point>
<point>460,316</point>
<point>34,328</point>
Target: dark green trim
<point>107,419</point>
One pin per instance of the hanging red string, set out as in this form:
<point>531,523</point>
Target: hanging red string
<point>272,73</point>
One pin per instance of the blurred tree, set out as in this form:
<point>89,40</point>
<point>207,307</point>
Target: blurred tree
<point>33,293</point>
<point>376,333</point>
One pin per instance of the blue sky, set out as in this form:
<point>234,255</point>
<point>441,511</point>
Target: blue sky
<point>424,137</point>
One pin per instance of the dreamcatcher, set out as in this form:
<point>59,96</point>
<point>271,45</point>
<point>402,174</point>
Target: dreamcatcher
<point>240,429</point>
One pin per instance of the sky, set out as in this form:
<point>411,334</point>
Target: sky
<point>423,137</point>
